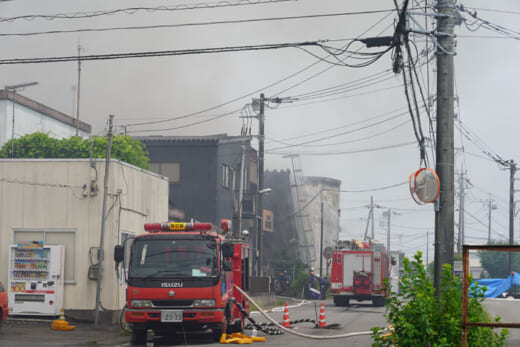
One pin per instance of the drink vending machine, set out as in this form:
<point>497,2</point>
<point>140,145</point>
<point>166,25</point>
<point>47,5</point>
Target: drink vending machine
<point>35,280</point>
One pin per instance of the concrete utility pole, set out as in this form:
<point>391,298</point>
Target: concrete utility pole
<point>321,234</point>
<point>444,219</point>
<point>103,220</point>
<point>370,216</point>
<point>512,171</point>
<point>261,118</point>
<point>241,186</point>
<point>79,84</point>
<point>491,206</point>
<point>388,231</point>
<point>461,213</point>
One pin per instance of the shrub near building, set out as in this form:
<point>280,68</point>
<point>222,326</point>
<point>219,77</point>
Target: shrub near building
<point>41,145</point>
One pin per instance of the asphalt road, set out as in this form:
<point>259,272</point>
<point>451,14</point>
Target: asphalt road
<point>359,317</point>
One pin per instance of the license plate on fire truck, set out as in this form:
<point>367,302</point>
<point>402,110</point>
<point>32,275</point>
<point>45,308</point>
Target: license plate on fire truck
<point>171,316</point>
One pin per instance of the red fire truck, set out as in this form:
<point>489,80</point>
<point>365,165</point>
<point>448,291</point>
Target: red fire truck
<point>180,278</point>
<point>358,271</point>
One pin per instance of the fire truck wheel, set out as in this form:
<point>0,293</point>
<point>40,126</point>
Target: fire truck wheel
<point>217,331</point>
<point>138,337</point>
<point>216,334</point>
<point>379,301</point>
<point>341,301</point>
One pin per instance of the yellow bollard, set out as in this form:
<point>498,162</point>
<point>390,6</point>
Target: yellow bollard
<point>61,324</point>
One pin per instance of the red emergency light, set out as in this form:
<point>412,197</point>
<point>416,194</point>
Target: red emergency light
<point>175,226</point>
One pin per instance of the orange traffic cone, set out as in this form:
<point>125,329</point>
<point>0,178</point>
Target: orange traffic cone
<point>286,321</point>
<point>321,322</point>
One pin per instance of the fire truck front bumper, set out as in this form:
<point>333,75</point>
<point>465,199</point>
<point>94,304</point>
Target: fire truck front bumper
<point>198,315</point>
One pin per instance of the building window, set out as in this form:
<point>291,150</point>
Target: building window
<point>227,176</point>
<point>170,170</point>
<point>61,238</point>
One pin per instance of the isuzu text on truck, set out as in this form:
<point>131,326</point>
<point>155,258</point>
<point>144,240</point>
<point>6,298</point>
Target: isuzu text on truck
<point>358,272</point>
<point>180,278</point>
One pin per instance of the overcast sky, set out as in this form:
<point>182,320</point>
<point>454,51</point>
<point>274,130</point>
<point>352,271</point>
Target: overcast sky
<point>365,113</point>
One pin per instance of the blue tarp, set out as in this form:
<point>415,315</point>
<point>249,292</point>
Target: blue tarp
<point>496,286</point>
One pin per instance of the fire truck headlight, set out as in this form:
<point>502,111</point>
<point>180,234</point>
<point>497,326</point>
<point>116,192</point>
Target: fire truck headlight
<point>203,302</point>
<point>335,285</point>
<point>140,303</point>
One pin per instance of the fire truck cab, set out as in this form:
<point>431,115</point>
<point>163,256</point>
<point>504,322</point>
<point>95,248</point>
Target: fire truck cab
<point>180,278</point>
<point>358,272</point>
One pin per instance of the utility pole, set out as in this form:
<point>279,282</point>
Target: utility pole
<point>79,84</point>
<point>241,186</point>
<point>512,171</point>
<point>461,213</point>
<point>321,234</point>
<point>103,220</point>
<point>259,239</point>
<point>444,214</point>
<point>388,231</point>
<point>261,119</point>
<point>370,216</point>
<point>491,206</point>
<point>427,251</point>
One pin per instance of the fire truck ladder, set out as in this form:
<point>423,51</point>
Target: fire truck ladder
<point>302,218</point>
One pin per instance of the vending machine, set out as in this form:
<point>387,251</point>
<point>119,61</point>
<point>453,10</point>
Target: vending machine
<point>35,280</point>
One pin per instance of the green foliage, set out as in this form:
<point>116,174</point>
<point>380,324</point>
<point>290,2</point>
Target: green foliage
<point>419,318</point>
<point>497,263</point>
<point>40,145</point>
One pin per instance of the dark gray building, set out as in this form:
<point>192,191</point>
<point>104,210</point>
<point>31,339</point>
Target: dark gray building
<point>204,175</point>
<point>283,240</point>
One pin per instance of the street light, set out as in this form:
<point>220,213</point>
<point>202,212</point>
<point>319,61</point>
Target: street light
<point>14,88</point>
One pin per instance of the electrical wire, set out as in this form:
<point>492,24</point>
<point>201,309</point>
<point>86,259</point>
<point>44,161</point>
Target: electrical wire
<point>368,119</point>
<point>263,88</point>
<point>156,53</point>
<point>374,189</point>
<point>134,10</point>
<point>362,138</point>
<point>486,24</point>
<point>181,25</point>
<point>372,149</point>
<point>339,134</point>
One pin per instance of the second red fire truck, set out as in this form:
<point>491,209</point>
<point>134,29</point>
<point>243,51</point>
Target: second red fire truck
<point>358,272</point>
<point>180,277</point>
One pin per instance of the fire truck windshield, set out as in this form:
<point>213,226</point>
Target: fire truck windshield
<point>160,258</point>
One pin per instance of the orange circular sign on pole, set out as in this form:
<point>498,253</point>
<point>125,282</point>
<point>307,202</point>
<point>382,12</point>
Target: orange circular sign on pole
<point>424,186</point>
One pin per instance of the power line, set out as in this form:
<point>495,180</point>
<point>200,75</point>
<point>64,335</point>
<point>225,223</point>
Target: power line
<point>158,53</point>
<point>492,10</point>
<point>372,149</point>
<point>360,139</point>
<point>265,87</point>
<point>134,10</point>
<point>374,189</point>
<point>339,134</point>
<point>332,66</point>
<point>180,25</point>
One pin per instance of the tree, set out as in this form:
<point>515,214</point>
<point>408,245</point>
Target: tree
<point>419,318</point>
<point>497,263</point>
<point>40,145</point>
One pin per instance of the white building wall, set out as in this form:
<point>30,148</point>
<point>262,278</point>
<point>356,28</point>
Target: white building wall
<point>28,121</point>
<point>47,195</point>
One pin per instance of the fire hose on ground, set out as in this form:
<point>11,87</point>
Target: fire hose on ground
<point>290,331</point>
